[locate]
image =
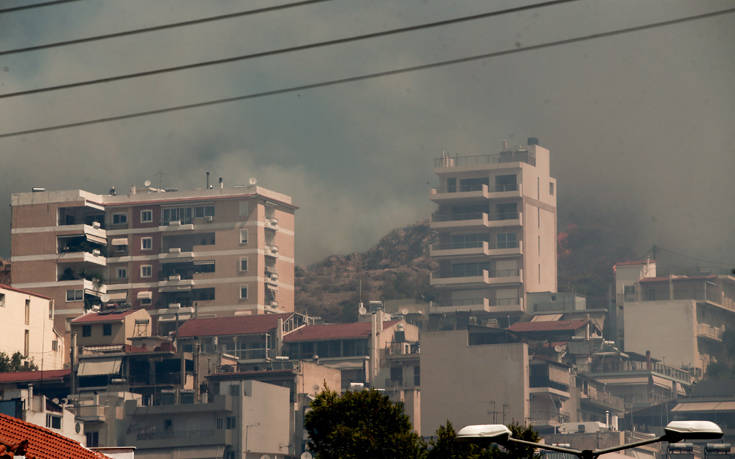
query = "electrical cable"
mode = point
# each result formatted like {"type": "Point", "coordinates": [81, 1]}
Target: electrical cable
{"type": "Point", "coordinates": [290, 49]}
{"type": "Point", "coordinates": [35, 5]}
{"type": "Point", "coordinates": [158, 27]}
{"type": "Point", "coordinates": [681, 254]}
{"type": "Point", "coordinates": [369, 76]}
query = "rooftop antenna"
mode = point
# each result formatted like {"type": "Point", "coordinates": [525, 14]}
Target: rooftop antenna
{"type": "Point", "coordinates": [207, 174]}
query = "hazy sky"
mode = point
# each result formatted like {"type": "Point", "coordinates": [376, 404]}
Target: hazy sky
{"type": "Point", "coordinates": [639, 126]}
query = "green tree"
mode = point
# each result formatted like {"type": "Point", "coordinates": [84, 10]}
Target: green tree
{"type": "Point", "coordinates": [360, 424]}
{"type": "Point", "coordinates": [16, 362]}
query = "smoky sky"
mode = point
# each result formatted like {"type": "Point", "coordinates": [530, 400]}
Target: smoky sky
{"type": "Point", "coordinates": [639, 126]}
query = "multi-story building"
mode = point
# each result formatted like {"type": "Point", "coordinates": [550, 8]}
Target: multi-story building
{"type": "Point", "coordinates": [218, 251]}
{"type": "Point", "coordinates": [496, 225]}
{"type": "Point", "coordinates": [27, 326]}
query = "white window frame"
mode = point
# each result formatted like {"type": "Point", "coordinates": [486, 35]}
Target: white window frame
{"type": "Point", "coordinates": [246, 292]}
{"type": "Point", "coordinates": [120, 214]}
{"type": "Point", "coordinates": [142, 269]}
{"type": "Point", "coordinates": [124, 271]}
{"type": "Point", "coordinates": [142, 243]}
{"type": "Point", "coordinates": [239, 266]}
{"type": "Point", "coordinates": [146, 212]}
{"type": "Point", "coordinates": [243, 241]}
{"type": "Point", "coordinates": [74, 296]}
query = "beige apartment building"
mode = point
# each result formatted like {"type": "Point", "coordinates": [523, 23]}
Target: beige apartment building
{"type": "Point", "coordinates": [211, 252]}
{"type": "Point", "coordinates": [496, 223]}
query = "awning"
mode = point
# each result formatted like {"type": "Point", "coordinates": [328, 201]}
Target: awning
{"type": "Point", "coordinates": [203, 262]}
{"type": "Point", "coordinates": [99, 367]}
{"type": "Point", "coordinates": [119, 241]}
{"type": "Point", "coordinates": [96, 239]}
{"type": "Point", "coordinates": [145, 295]}
{"type": "Point", "coordinates": [112, 296]}
{"type": "Point", "coordinates": [546, 317]}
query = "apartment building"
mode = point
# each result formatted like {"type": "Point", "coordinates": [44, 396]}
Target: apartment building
{"type": "Point", "coordinates": [216, 251]}
{"type": "Point", "coordinates": [27, 326]}
{"type": "Point", "coordinates": [679, 319]}
{"type": "Point", "coordinates": [496, 225]}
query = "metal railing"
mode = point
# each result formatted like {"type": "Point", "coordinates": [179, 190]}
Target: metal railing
{"type": "Point", "coordinates": [458, 216]}
{"type": "Point", "coordinates": [499, 187]}
{"type": "Point", "coordinates": [504, 216]}
{"type": "Point", "coordinates": [479, 160]}
{"type": "Point", "coordinates": [458, 245]}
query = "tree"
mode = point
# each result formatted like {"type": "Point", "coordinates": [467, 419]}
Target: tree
{"type": "Point", "coordinates": [16, 362]}
{"type": "Point", "coordinates": [360, 424]}
{"type": "Point", "coordinates": [446, 446]}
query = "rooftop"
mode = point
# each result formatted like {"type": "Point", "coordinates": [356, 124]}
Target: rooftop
{"type": "Point", "coordinates": [355, 330]}
{"type": "Point", "coordinates": [32, 441]}
{"type": "Point", "coordinates": [26, 292]}
{"type": "Point", "coordinates": [548, 325]}
{"type": "Point", "coordinates": [236, 325]}
{"type": "Point", "coordinates": [33, 376]}
{"type": "Point", "coordinates": [102, 316]}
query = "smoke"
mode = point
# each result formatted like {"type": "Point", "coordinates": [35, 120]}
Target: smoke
{"type": "Point", "coordinates": [638, 125]}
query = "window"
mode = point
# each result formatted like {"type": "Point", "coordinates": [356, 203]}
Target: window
{"type": "Point", "coordinates": [244, 264]}
{"type": "Point", "coordinates": [539, 246]}
{"type": "Point", "coordinates": [538, 217]}
{"type": "Point", "coordinates": [146, 216]}
{"type": "Point", "coordinates": [234, 390]}
{"type": "Point", "coordinates": [146, 243]}
{"type": "Point", "coordinates": [396, 375]}
{"type": "Point", "coordinates": [50, 310]}
{"type": "Point", "coordinates": [86, 330]}
{"type": "Point", "coordinates": [231, 422]}
{"type": "Point", "coordinates": [74, 295]}
{"type": "Point", "coordinates": [416, 376]}
{"type": "Point", "coordinates": [506, 240]}
{"type": "Point", "coordinates": [53, 422]}
{"type": "Point", "coordinates": [2, 299]}
{"type": "Point", "coordinates": [122, 273]}
{"type": "Point", "coordinates": [146, 270]}
{"type": "Point", "coordinates": [506, 183]}
{"type": "Point", "coordinates": [551, 188]}
{"type": "Point", "coordinates": [243, 293]}
{"type": "Point", "coordinates": [93, 439]}
{"type": "Point", "coordinates": [26, 343]}
{"type": "Point", "coordinates": [146, 301]}
{"type": "Point", "coordinates": [107, 329]}
{"type": "Point", "coordinates": [55, 345]}
{"type": "Point", "coordinates": [451, 185]}
{"type": "Point", "coordinates": [539, 273]}
{"type": "Point", "coordinates": [28, 312]}
{"type": "Point", "coordinates": [243, 236]}
{"type": "Point", "coordinates": [243, 208]}
{"type": "Point", "coordinates": [119, 219]}
{"type": "Point", "coordinates": [629, 292]}
{"type": "Point", "coordinates": [220, 423]}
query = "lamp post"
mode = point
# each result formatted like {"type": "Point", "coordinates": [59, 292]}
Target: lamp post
{"type": "Point", "coordinates": [675, 431]}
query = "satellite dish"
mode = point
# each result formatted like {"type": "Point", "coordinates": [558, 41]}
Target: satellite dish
{"type": "Point", "coordinates": [361, 310]}
{"type": "Point", "coordinates": [147, 183]}
{"type": "Point", "coordinates": [253, 180]}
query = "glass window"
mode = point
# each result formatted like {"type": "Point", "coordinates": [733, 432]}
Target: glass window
{"type": "Point", "coordinates": [243, 236]}
{"type": "Point", "coordinates": [28, 312]}
{"type": "Point", "coordinates": [93, 439]}
{"type": "Point", "coordinates": [199, 212]}
{"type": "Point", "coordinates": [506, 183]}
{"type": "Point", "coordinates": [146, 270]}
{"type": "Point", "coordinates": [86, 330]}
{"type": "Point", "coordinates": [2, 299]}
{"type": "Point", "coordinates": [122, 273]}
{"type": "Point", "coordinates": [107, 329]}
{"type": "Point", "coordinates": [119, 219]}
{"type": "Point", "coordinates": [551, 188]}
{"type": "Point", "coordinates": [209, 211]}
{"type": "Point", "coordinates": [451, 185]}
{"type": "Point", "coordinates": [243, 293]}
{"type": "Point", "coordinates": [243, 264]}
{"type": "Point", "coordinates": [146, 243]}
{"type": "Point", "coordinates": [146, 216]}
{"type": "Point", "coordinates": [74, 295]}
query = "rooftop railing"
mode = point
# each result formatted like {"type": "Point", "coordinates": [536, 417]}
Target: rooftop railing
{"type": "Point", "coordinates": [480, 160]}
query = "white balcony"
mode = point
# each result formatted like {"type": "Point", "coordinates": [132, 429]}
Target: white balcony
{"type": "Point", "coordinates": [473, 249]}
{"type": "Point", "coordinates": [502, 220]}
{"type": "Point", "coordinates": [466, 305]}
{"type": "Point", "coordinates": [506, 191]}
{"type": "Point", "coordinates": [514, 276]}
{"type": "Point", "coordinates": [175, 255]}
{"type": "Point", "coordinates": [271, 223]}
{"type": "Point", "coordinates": [94, 258]}
{"type": "Point", "coordinates": [271, 250]}
{"type": "Point", "coordinates": [460, 221]}
{"type": "Point", "coordinates": [709, 332]}
{"type": "Point", "coordinates": [473, 195]}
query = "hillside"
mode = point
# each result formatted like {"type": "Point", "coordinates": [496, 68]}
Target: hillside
{"type": "Point", "coordinates": [399, 266]}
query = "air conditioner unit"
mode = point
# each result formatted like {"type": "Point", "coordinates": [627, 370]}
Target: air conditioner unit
{"type": "Point", "coordinates": [174, 223]}
{"type": "Point", "coordinates": [274, 277]}
{"type": "Point", "coordinates": [174, 305]}
{"type": "Point", "coordinates": [174, 250]}
{"type": "Point", "coordinates": [96, 225]}
{"type": "Point", "coordinates": [208, 219]}
{"type": "Point", "coordinates": [175, 277]}
{"type": "Point", "coordinates": [96, 252]}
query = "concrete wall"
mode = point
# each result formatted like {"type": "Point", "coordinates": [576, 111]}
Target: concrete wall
{"type": "Point", "coordinates": [463, 383]}
{"type": "Point", "coordinates": [265, 420]}
{"type": "Point", "coordinates": [667, 328]}
{"type": "Point", "coordinates": [41, 334]}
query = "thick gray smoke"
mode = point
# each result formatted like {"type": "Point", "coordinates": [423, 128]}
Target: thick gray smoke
{"type": "Point", "coordinates": [638, 125]}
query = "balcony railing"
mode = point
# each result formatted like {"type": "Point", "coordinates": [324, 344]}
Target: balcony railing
{"type": "Point", "coordinates": [458, 216]}
{"type": "Point", "coordinates": [504, 216]}
{"type": "Point", "coordinates": [506, 187]}
{"type": "Point", "coordinates": [459, 245]}
{"type": "Point", "coordinates": [480, 160]}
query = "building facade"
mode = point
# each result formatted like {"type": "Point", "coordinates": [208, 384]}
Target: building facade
{"type": "Point", "coordinates": [496, 225]}
{"type": "Point", "coordinates": [218, 251]}
{"type": "Point", "coordinates": [27, 326]}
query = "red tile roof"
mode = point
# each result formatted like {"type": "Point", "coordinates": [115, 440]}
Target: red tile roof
{"type": "Point", "coordinates": [548, 325]}
{"type": "Point", "coordinates": [100, 317]}
{"type": "Point", "coordinates": [328, 332]}
{"type": "Point", "coordinates": [20, 437]}
{"type": "Point", "coordinates": [27, 292]}
{"type": "Point", "coordinates": [235, 325]}
{"type": "Point", "coordinates": [33, 376]}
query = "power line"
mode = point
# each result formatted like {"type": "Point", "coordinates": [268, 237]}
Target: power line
{"type": "Point", "coordinates": [158, 27]}
{"type": "Point", "coordinates": [284, 50]}
{"type": "Point", "coordinates": [368, 76]}
{"type": "Point", "coordinates": [681, 254]}
{"type": "Point", "coordinates": [35, 5]}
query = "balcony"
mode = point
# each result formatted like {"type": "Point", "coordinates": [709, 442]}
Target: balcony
{"type": "Point", "coordinates": [91, 413]}
{"type": "Point", "coordinates": [709, 332]}
{"type": "Point", "coordinates": [271, 223]}
{"type": "Point", "coordinates": [506, 191]}
{"type": "Point", "coordinates": [508, 276]}
{"type": "Point", "coordinates": [271, 250]}
{"type": "Point", "coordinates": [470, 194]}
{"type": "Point", "coordinates": [93, 257]}
{"type": "Point", "coordinates": [475, 248]}
{"type": "Point", "coordinates": [460, 220]}
{"type": "Point", "coordinates": [506, 219]}
{"type": "Point", "coordinates": [480, 304]}
{"type": "Point", "coordinates": [602, 399]}
{"type": "Point", "coordinates": [175, 254]}
{"type": "Point", "coordinates": [475, 162]}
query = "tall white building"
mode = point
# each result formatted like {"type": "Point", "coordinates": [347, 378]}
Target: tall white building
{"type": "Point", "coordinates": [496, 225]}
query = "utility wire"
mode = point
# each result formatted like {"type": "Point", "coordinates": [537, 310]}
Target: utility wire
{"type": "Point", "coordinates": [681, 254]}
{"type": "Point", "coordinates": [290, 49]}
{"type": "Point", "coordinates": [34, 5]}
{"type": "Point", "coordinates": [368, 76]}
{"type": "Point", "coordinates": [158, 27]}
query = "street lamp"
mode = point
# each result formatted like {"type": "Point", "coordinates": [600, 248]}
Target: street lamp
{"type": "Point", "coordinates": [675, 431]}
